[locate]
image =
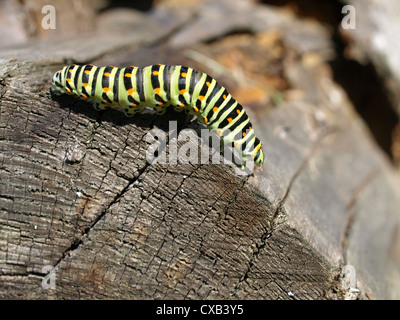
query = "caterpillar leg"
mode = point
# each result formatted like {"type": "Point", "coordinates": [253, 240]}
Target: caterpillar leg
{"type": "Point", "coordinates": [161, 109]}
{"type": "Point", "coordinates": [161, 112]}
{"type": "Point", "coordinates": [100, 106]}
{"type": "Point", "coordinates": [222, 148]}
{"type": "Point", "coordinates": [129, 112]}
{"type": "Point", "coordinates": [180, 108]}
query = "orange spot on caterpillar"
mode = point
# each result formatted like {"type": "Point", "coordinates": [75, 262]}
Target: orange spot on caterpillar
{"type": "Point", "coordinates": [106, 89]}
{"type": "Point", "coordinates": [229, 120]}
{"type": "Point", "coordinates": [84, 95]}
{"type": "Point", "coordinates": [215, 109]}
{"type": "Point", "coordinates": [156, 73]}
{"type": "Point", "coordinates": [238, 111]}
{"type": "Point", "coordinates": [130, 91]}
{"type": "Point", "coordinates": [106, 102]}
{"type": "Point", "coordinates": [184, 74]}
{"type": "Point", "coordinates": [128, 75]}
{"type": "Point", "coordinates": [196, 109]}
{"type": "Point", "coordinates": [87, 71]}
{"type": "Point", "coordinates": [68, 90]}
{"type": "Point", "coordinates": [85, 84]}
{"type": "Point", "coordinates": [69, 79]}
{"type": "Point", "coordinates": [205, 120]}
{"type": "Point", "coordinates": [133, 67]}
{"type": "Point", "coordinates": [208, 83]}
{"type": "Point", "coordinates": [249, 128]}
{"type": "Point", "coordinates": [224, 96]}
{"type": "Point", "coordinates": [201, 98]}
{"type": "Point", "coordinates": [244, 134]}
{"type": "Point", "coordinates": [236, 144]}
{"type": "Point", "coordinates": [219, 132]}
{"type": "Point", "coordinates": [182, 91]}
{"type": "Point", "coordinates": [253, 155]}
{"type": "Point", "coordinates": [157, 90]}
{"type": "Point", "coordinates": [160, 103]}
{"type": "Point", "coordinates": [107, 74]}
{"type": "Point", "coordinates": [258, 147]}
{"type": "Point", "coordinates": [182, 105]}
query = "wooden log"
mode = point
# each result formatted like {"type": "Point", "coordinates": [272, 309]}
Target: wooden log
{"type": "Point", "coordinates": [77, 195]}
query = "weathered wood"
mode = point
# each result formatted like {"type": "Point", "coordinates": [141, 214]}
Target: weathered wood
{"type": "Point", "coordinates": [375, 38]}
{"type": "Point", "coordinates": [77, 194]}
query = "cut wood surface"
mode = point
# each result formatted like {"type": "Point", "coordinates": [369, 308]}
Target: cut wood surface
{"type": "Point", "coordinates": [77, 194]}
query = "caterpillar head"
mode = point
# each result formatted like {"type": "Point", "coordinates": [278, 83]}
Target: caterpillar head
{"type": "Point", "coordinates": [259, 158]}
{"type": "Point", "coordinates": [56, 85]}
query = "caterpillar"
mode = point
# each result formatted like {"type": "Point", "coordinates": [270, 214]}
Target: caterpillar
{"type": "Point", "coordinates": [159, 86]}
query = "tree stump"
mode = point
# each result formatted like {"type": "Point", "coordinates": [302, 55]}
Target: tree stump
{"type": "Point", "coordinates": [84, 215]}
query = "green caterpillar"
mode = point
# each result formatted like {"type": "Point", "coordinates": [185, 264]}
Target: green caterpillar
{"type": "Point", "coordinates": [159, 86]}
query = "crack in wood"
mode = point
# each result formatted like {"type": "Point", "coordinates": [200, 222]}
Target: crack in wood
{"type": "Point", "coordinates": [75, 245]}
{"type": "Point", "coordinates": [364, 183]}
{"type": "Point", "coordinates": [233, 199]}
{"type": "Point", "coordinates": [279, 209]}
